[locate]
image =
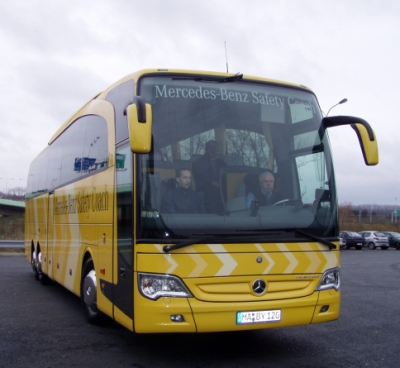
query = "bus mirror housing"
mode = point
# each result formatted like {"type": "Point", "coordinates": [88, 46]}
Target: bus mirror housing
{"type": "Point", "coordinates": [140, 121]}
{"type": "Point", "coordinates": [365, 134]}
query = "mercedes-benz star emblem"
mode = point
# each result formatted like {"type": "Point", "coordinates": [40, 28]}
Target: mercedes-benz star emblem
{"type": "Point", "coordinates": [259, 287]}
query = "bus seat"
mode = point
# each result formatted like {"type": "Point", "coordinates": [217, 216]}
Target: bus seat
{"type": "Point", "coordinates": [240, 190]}
{"type": "Point", "coordinates": [193, 158]}
{"type": "Point", "coordinates": [252, 183]}
{"type": "Point", "coordinates": [232, 179]}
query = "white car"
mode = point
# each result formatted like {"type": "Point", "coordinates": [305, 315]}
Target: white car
{"type": "Point", "coordinates": [375, 239]}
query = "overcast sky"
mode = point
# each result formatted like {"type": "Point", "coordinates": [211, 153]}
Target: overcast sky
{"type": "Point", "coordinates": [56, 55]}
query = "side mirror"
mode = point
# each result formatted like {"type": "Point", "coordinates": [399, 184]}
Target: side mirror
{"type": "Point", "coordinates": [140, 122]}
{"type": "Point", "coordinates": [366, 135]}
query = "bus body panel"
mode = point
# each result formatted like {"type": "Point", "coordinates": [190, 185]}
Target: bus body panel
{"type": "Point", "coordinates": [155, 316]}
{"type": "Point", "coordinates": [332, 299]}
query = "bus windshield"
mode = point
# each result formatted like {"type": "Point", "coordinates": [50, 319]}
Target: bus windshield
{"type": "Point", "coordinates": [233, 157]}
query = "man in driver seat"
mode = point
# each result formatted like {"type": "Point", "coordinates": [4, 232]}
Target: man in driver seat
{"type": "Point", "coordinates": [265, 194]}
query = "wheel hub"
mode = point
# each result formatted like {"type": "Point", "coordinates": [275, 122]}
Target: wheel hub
{"type": "Point", "coordinates": [89, 289]}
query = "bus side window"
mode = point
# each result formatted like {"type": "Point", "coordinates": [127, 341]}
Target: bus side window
{"type": "Point", "coordinates": [120, 97]}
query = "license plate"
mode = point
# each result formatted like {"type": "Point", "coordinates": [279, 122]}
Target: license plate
{"type": "Point", "coordinates": [258, 317]}
{"type": "Point", "coordinates": [359, 243]}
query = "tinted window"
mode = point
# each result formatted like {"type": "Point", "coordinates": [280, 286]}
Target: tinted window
{"type": "Point", "coordinates": [54, 166]}
{"type": "Point", "coordinates": [37, 175]}
{"type": "Point", "coordinates": [71, 144]}
{"type": "Point", "coordinates": [95, 145]}
{"type": "Point", "coordinates": [120, 97]}
{"type": "Point", "coordinates": [79, 151]}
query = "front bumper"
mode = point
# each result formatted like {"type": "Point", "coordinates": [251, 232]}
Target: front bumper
{"type": "Point", "coordinates": [155, 316]}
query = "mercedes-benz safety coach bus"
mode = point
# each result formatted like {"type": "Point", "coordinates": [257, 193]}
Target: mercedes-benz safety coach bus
{"type": "Point", "coordinates": [94, 212]}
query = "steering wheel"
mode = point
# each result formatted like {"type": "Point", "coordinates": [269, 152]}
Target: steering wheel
{"type": "Point", "coordinates": [289, 202]}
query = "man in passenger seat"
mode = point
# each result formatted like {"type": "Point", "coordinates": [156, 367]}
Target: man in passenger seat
{"type": "Point", "coordinates": [180, 198]}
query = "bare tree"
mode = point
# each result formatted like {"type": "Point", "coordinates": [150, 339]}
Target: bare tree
{"type": "Point", "coordinates": [345, 214]}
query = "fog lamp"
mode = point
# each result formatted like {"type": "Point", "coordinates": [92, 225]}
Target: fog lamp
{"type": "Point", "coordinates": [177, 318]}
{"type": "Point", "coordinates": [324, 308]}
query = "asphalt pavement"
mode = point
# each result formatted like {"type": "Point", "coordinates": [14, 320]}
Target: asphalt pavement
{"type": "Point", "coordinates": [43, 326]}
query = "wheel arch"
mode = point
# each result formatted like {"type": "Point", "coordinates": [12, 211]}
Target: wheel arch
{"type": "Point", "coordinates": [33, 248]}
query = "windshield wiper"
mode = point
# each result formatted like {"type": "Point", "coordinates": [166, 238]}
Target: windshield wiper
{"type": "Point", "coordinates": [317, 238]}
{"type": "Point", "coordinates": [214, 238]}
{"type": "Point", "coordinates": [168, 248]}
{"type": "Point", "coordinates": [298, 231]}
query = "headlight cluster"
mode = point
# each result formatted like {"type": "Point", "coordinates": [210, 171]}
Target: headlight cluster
{"type": "Point", "coordinates": [155, 286]}
{"type": "Point", "coordinates": [330, 280]}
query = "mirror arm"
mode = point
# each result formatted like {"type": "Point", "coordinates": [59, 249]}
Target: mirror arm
{"type": "Point", "coordinates": [140, 106]}
{"type": "Point", "coordinates": [333, 121]}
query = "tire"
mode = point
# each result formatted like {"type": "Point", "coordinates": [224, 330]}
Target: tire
{"type": "Point", "coordinates": [40, 276]}
{"type": "Point", "coordinates": [44, 279]}
{"type": "Point", "coordinates": [345, 247]}
{"type": "Point", "coordinates": [397, 246]}
{"type": "Point", "coordinates": [89, 294]}
{"type": "Point", "coordinates": [371, 246]}
{"type": "Point", "coordinates": [34, 266]}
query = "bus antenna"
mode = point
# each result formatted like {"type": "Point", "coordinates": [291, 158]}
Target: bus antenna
{"type": "Point", "coordinates": [226, 58]}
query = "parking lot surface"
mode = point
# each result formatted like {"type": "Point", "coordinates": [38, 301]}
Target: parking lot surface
{"type": "Point", "coordinates": [43, 326]}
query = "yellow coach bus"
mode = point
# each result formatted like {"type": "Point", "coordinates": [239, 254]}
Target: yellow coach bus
{"type": "Point", "coordinates": [150, 204]}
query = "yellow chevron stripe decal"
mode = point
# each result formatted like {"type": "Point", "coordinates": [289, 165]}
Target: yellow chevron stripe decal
{"type": "Point", "coordinates": [229, 263]}
{"type": "Point", "coordinates": [209, 260]}
{"type": "Point", "coordinates": [293, 262]}
{"type": "Point", "coordinates": [270, 261]}
{"type": "Point", "coordinates": [201, 265]}
{"type": "Point", "coordinates": [168, 258]}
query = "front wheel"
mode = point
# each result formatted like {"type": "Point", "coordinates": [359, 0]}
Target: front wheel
{"type": "Point", "coordinates": [89, 293]}
{"type": "Point", "coordinates": [397, 246]}
{"type": "Point", "coordinates": [371, 246]}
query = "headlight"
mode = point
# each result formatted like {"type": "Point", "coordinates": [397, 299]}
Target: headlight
{"type": "Point", "coordinates": [155, 286]}
{"type": "Point", "coordinates": [330, 280]}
